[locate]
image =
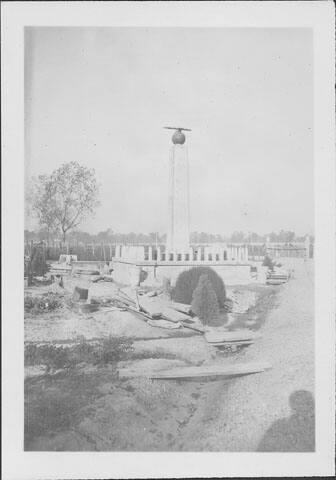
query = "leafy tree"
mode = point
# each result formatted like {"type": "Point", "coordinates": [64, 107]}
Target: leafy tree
{"type": "Point", "coordinates": [283, 236]}
{"type": "Point", "coordinates": [238, 237]}
{"type": "Point", "coordinates": [256, 238]}
{"type": "Point", "coordinates": [204, 301]}
{"type": "Point", "coordinates": [65, 198]}
{"type": "Point", "coordinates": [42, 204]}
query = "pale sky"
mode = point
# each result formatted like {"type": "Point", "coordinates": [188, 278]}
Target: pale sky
{"type": "Point", "coordinates": [102, 95]}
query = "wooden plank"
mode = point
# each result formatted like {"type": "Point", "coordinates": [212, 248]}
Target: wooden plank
{"type": "Point", "coordinates": [169, 313]}
{"type": "Point", "coordinates": [163, 324]}
{"type": "Point", "coordinates": [181, 307]}
{"type": "Point", "coordinates": [193, 327]}
{"type": "Point", "coordinates": [129, 293]}
{"type": "Point", "coordinates": [124, 300]}
{"type": "Point", "coordinates": [275, 282]}
{"type": "Point", "coordinates": [217, 337]}
{"type": "Point", "coordinates": [201, 372]}
{"type": "Point", "coordinates": [137, 304]}
{"type": "Point", "coordinates": [150, 307]}
{"type": "Point", "coordinates": [237, 343]}
{"type": "Point", "coordinates": [142, 315]}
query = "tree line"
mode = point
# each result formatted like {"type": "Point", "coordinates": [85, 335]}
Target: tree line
{"type": "Point", "coordinates": [109, 236]}
{"type": "Point", "coordinates": [62, 200]}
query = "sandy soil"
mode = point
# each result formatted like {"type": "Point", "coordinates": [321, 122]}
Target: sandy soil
{"type": "Point", "coordinates": [272, 411]}
{"type": "Point", "coordinates": [91, 409]}
{"type": "Point", "coordinates": [68, 326]}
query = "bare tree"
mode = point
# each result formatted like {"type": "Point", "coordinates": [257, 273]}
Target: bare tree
{"type": "Point", "coordinates": [65, 198]}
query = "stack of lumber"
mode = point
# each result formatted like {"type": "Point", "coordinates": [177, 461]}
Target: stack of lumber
{"type": "Point", "coordinates": [63, 266]}
{"type": "Point", "coordinates": [157, 311]}
{"type": "Point", "coordinates": [277, 277]}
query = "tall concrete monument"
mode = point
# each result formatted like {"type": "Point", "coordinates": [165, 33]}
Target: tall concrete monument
{"type": "Point", "coordinates": [178, 235]}
{"type": "Point", "coordinates": [160, 262]}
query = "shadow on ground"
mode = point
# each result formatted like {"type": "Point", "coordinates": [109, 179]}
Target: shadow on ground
{"type": "Point", "coordinates": [295, 433]}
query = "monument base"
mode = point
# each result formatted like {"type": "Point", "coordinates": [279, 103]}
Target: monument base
{"type": "Point", "coordinates": [154, 273]}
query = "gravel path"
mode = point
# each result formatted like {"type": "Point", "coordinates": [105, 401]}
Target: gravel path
{"type": "Point", "coordinates": [274, 410]}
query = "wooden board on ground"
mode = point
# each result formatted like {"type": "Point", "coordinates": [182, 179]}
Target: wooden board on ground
{"type": "Point", "coordinates": [164, 324]}
{"type": "Point", "coordinates": [222, 336]}
{"type": "Point", "coordinates": [151, 307]}
{"type": "Point", "coordinates": [195, 328]}
{"type": "Point", "coordinates": [233, 344]}
{"type": "Point", "coordinates": [201, 372]}
{"type": "Point", "coordinates": [129, 293]}
{"type": "Point", "coordinates": [124, 300]}
{"type": "Point", "coordinates": [141, 315]}
{"type": "Point", "coordinates": [181, 307]}
{"type": "Point", "coordinates": [275, 281]}
{"type": "Point", "coordinates": [173, 315]}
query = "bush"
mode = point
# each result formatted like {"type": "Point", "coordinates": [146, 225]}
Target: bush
{"type": "Point", "coordinates": [188, 280]}
{"type": "Point", "coordinates": [204, 302]}
{"type": "Point", "coordinates": [38, 261]}
{"type": "Point", "coordinates": [38, 304]}
{"type": "Point", "coordinates": [268, 262]}
{"type": "Point", "coordinates": [111, 350]}
{"type": "Point", "coordinates": [106, 351]}
{"type": "Point", "coordinates": [51, 356]}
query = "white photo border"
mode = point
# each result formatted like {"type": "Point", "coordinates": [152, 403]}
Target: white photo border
{"type": "Point", "coordinates": [18, 464]}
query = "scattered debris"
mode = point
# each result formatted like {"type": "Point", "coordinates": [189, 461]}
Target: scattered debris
{"type": "Point", "coordinates": [63, 266]}
{"type": "Point", "coordinates": [103, 278]}
{"type": "Point", "coordinates": [56, 289]}
{"type": "Point", "coordinates": [80, 294]}
{"type": "Point", "coordinates": [85, 307]}
{"type": "Point", "coordinates": [152, 293]}
{"type": "Point", "coordinates": [169, 313]}
{"type": "Point", "coordinates": [228, 305]}
{"type": "Point", "coordinates": [240, 301]}
{"type": "Point", "coordinates": [86, 270]}
{"type": "Point", "coordinates": [277, 276]}
{"type": "Point", "coordinates": [150, 307]}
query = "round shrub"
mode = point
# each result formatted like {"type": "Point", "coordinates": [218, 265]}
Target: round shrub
{"type": "Point", "coordinates": [188, 280]}
{"type": "Point", "coordinates": [268, 262]}
{"type": "Point", "coordinates": [204, 302]}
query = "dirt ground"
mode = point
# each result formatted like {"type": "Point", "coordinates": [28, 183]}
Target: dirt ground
{"type": "Point", "coordinates": [90, 409]}
{"type": "Point", "coordinates": [272, 411]}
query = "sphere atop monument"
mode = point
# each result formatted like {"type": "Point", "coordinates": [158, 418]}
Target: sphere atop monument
{"type": "Point", "coordinates": [178, 138]}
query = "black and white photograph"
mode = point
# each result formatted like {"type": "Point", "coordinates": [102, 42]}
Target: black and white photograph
{"type": "Point", "coordinates": [171, 235]}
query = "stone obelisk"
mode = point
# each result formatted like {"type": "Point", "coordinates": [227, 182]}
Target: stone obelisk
{"type": "Point", "coordinates": [178, 237]}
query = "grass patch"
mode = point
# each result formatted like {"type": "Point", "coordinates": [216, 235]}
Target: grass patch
{"type": "Point", "coordinates": [105, 351]}
{"type": "Point", "coordinates": [159, 353]}
{"type": "Point", "coordinates": [41, 304]}
{"type": "Point", "coordinates": [54, 404]}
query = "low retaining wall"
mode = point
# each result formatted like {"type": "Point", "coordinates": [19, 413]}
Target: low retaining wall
{"type": "Point", "coordinates": [129, 273]}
